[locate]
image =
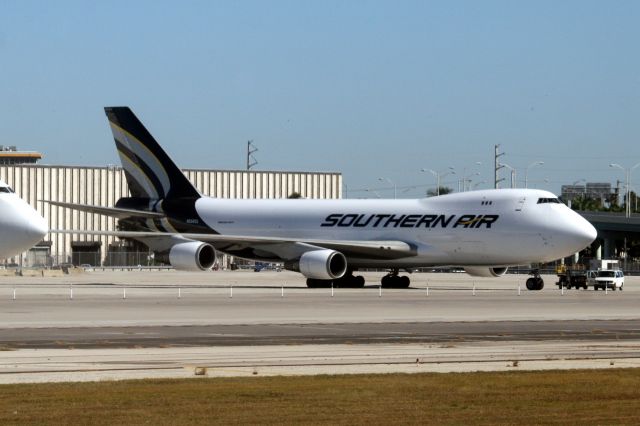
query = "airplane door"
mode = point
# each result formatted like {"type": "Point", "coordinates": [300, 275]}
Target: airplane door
{"type": "Point", "coordinates": [520, 204]}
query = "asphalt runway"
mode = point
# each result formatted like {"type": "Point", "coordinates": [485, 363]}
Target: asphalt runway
{"type": "Point", "coordinates": [327, 334]}
{"type": "Point", "coordinates": [166, 316]}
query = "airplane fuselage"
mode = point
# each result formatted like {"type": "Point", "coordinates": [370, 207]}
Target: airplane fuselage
{"type": "Point", "coordinates": [489, 227]}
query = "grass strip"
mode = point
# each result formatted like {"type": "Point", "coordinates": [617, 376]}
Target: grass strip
{"type": "Point", "coordinates": [578, 397]}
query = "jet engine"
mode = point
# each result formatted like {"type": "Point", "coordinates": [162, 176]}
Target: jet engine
{"type": "Point", "coordinates": [480, 271]}
{"type": "Point", "coordinates": [320, 264]}
{"type": "Point", "coordinates": [192, 256]}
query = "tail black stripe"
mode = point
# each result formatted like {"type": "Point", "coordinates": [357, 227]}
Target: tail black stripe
{"type": "Point", "coordinates": [144, 177]}
{"type": "Point", "coordinates": [150, 171]}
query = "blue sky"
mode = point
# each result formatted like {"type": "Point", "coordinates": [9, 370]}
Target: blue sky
{"type": "Point", "coordinates": [367, 88]}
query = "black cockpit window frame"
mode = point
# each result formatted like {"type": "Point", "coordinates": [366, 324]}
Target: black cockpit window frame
{"type": "Point", "coordinates": [548, 201]}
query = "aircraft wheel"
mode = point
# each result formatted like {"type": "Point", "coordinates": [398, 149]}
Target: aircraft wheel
{"type": "Point", "coordinates": [404, 282]}
{"type": "Point", "coordinates": [386, 281]}
{"type": "Point", "coordinates": [350, 282]}
{"type": "Point", "coordinates": [531, 284]}
{"type": "Point", "coordinates": [315, 283]}
{"type": "Point", "coordinates": [539, 283]}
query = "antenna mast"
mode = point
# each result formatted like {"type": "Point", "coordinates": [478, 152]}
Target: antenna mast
{"type": "Point", "coordinates": [497, 166]}
{"type": "Point", "coordinates": [251, 160]}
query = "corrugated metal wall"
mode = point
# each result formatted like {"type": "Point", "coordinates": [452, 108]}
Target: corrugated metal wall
{"type": "Point", "coordinates": [105, 185]}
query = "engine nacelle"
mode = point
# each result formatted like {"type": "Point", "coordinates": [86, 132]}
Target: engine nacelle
{"type": "Point", "coordinates": [192, 256]}
{"type": "Point", "coordinates": [320, 264]}
{"type": "Point", "coordinates": [483, 271]}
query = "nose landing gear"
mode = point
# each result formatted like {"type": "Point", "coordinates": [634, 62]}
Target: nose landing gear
{"type": "Point", "coordinates": [536, 282]}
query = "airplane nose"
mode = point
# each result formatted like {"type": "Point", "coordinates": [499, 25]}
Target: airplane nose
{"type": "Point", "coordinates": [35, 229]}
{"type": "Point", "coordinates": [581, 231]}
{"type": "Point", "coordinates": [22, 226]}
{"type": "Point", "coordinates": [590, 232]}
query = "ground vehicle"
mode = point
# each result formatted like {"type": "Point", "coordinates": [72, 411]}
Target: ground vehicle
{"type": "Point", "coordinates": [609, 278]}
{"type": "Point", "coordinates": [572, 276]}
{"type": "Point", "coordinates": [575, 276]}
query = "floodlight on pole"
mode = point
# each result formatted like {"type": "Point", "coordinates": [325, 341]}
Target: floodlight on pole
{"type": "Point", "coordinates": [513, 174]}
{"type": "Point", "coordinates": [464, 174]}
{"type": "Point", "coordinates": [627, 185]}
{"type": "Point", "coordinates": [526, 172]}
{"type": "Point", "coordinates": [395, 187]}
{"type": "Point", "coordinates": [439, 176]}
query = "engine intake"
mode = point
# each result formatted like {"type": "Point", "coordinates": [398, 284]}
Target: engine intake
{"type": "Point", "coordinates": [192, 256]}
{"type": "Point", "coordinates": [320, 264]}
{"type": "Point", "coordinates": [479, 271]}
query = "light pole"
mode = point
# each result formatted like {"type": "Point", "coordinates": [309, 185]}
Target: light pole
{"type": "Point", "coordinates": [526, 172]}
{"type": "Point", "coordinates": [395, 187]}
{"type": "Point", "coordinates": [439, 176]}
{"type": "Point", "coordinates": [628, 178]}
{"type": "Point", "coordinates": [513, 174]}
{"type": "Point", "coordinates": [466, 182]}
{"type": "Point", "coordinates": [464, 174]}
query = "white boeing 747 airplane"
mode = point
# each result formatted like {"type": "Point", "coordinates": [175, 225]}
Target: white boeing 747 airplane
{"type": "Point", "coordinates": [21, 227]}
{"type": "Point", "coordinates": [484, 232]}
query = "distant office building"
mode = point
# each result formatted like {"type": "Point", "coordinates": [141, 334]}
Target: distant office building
{"type": "Point", "coordinates": [11, 155]}
{"type": "Point", "coordinates": [105, 185]}
{"type": "Point", "coordinates": [599, 191]}
{"type": "Point", "coordinates": [571, 192]}
{"type": "Point", "coordinates": [594, 190]}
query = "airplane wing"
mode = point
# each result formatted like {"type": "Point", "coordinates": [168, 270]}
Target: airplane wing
{"type": "Point", "coordinates": [116, 212]}
{"type": "Point", "coordinates": [357, 249]}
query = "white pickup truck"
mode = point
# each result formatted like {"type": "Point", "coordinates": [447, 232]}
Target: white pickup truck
{"type": "Point", "coordinates": [608, 278]}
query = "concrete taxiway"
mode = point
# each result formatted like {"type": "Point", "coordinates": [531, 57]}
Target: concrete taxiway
{"type": "Point", "coordinates": [113, 325]}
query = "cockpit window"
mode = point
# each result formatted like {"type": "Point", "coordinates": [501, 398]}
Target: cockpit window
{"type": "Point", "coordinates": [6, 189]}
{"type": "Point", "coordinates": [548, 201]}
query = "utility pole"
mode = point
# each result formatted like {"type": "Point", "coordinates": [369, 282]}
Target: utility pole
{"type": "Point", "coordinates": [497, 166]}
{"type": "Point", "coordinates": [251, 161]}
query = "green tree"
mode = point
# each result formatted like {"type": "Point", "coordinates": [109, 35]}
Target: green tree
{"type": "Point", "coordinates": [443, 190]}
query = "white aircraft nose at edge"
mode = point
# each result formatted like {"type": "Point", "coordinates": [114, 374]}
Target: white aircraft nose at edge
{"type": "Point", "coordinates": [327, 240]}
{"type": "Point", "coordinates": [21, 226]}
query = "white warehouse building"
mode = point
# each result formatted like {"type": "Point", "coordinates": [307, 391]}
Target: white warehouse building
{"type": "Point", "coordinates": [103, 186]}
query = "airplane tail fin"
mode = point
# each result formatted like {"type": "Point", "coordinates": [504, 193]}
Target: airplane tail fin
{"type": "Point", "coordinates": [149, 171]}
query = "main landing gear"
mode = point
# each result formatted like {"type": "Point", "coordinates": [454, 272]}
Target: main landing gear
{"type": "Point", "coordinates": [393, 280]}
{"type": "Point", "coordinates": [536, 282]}
{"type": "Point", "coordinates": [348, 280]}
